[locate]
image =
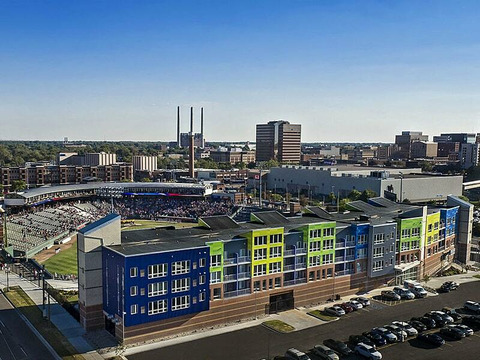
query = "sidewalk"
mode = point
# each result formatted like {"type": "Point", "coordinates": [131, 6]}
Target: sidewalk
{"type": "Point", "coordinates": [64, 322]}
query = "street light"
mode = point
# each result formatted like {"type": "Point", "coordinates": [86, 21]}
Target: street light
{"type": "Point", "coordinates": [7, 271]}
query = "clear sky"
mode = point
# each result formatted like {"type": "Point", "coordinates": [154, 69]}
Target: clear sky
{"type": "Point", "coordinates": [345, 70]}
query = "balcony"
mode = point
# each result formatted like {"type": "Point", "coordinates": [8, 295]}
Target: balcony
{"type": "Point", "coordinates": [339, 258]}
{"type": "Point", "coordinates": [302, 265]}
{"type": "Point", "coordinates": [339, 244]}
{"type": "Point", "coordinates": [288, 253]}
{"type": "Point", "coordinates": [350, 243]}
{"type": "Point", "coordinates": [288, 268]}
{"type": "Point", "coordinates": [229, 261]}
{"type": "Point", "coordinates": [344, 272]}
{"type": "Point", "coordinates": [243, 276]}
{"type": "Point", "coordinates": [301, 251]}
{"type": "Point", "coordinates": [230, 294]}
{"type": "Point", "coordinates": [295, 282]}
{"type": "Point", "coordinates": [350, 257]}
{"type": "Point", "coordinates": [244, 259]}
{"type": "Point", "coordinates": [231, 277]}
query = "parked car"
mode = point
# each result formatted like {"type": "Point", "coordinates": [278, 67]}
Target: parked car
{"type": "Point", "coordinates": [472, 306]}
{"type": "Point", "coordinates": [347, 308]}
{"type": "Point", "coordinates": [355, 304]}
{"type": "Point", "coordinates": [439, 320]}
{"type": "Point", "coordinates": [367, 351]}
{"type": "Point", "coordinates": [453, 313]}
{"type": "Point", "coordinates": [338, 346]}
{"type": "Point", "coordinates": [415, 288]}
{"type": "Point", "coordinates": [472, 320]}
{"type": "Point", "coordinates": [452, 332]}
{"type": "Point", "coordinates": [356, 339]}
{"type": "Point", "coordinates": [447, 317]}
{"type": "Point", "coordinates": [324, 352]}
{"type": "Point", "coordinates": [335, 311]}
{"type": "Point", "coordinates": [387, 334]}
{"type": "Point", "coordinates": [294, 354]}
{"type": "Point", "coordinates": [362, 300]}
{"type": "Point", "coordinates": [448, 286]}
{"type": "Point", "coordinates": [418, 325]}
{"type": "Point", "coordinates": [377, 339]}
{"type": "Point", "coordinates": [395, 330]}
{"type": "Point", "coordinates": [409, 329]}
{"type": "Point", "coordinates": [404, 293]}
{"type": "Point", "coordinates": [467, 331]}
{"type": "Point", "coordinates": [390, 295]}
{"type": "Point", "coordinates": [433, 339]}
{"type": "Point", "coordinates": [427, 321]}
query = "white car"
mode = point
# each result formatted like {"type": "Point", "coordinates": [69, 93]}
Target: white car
{"type": "Point", "coordinates": [324, 352]}
{"type": "Point", "coordinates": [367, 351]}
{"type": "Point", "coordinates": [397, 331]}
{"type": "Point", "coordinates": [355, 304]}
{"type": "Point", "coordinates": [472, 306]}
{"type": "Point", "coordinates": [335, 311]}
{"type": "Point", "coordinates": [409, 329]}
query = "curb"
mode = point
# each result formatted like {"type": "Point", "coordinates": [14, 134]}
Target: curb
{"type": "Point", "coordinates": [35, 331]}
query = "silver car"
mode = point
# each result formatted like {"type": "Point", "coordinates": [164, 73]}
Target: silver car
{"type": "Point", "coordinates": [409, 329]}
{"type": "Point", "coordinates": [335, 311]}
{"type": "Point", "coordinates": [324, 352]}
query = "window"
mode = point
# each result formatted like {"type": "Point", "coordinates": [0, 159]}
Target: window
{"type": "Point", "coordinates": [133, 271]}
{"type": "Point", "coordinates": [362, 253]}
{"type": "Point", "coordinates": [156, 289]}
{"type": "Point", "coordinates": [377, 265]}
{"type": "Point", "coordinates": [202, 296]}
{"type": "Point", "coordinates": [328, 244]}
{"type": "Point", "coordinates": [362, 239]}
{"type": "Point", "coordinates": [314, 260]}
{"type": "Point", "coordinates": [405, 233]}
{"type": "Point", "coordinates": [275, 239]}
{"type": "Point", "coordinates": [142, 272]}
{"type": "Point", "coordinates": [133, 291]}
{"type": "Point", "coordinates": [202, 279]}
{"type": "Point", "coordinates": [133, 309]}
{"type": "Point", "coordinates": [157, 307]}
{"type": "Point", "coordinates": [275, 251]}
{"type": "Point", "coordinates": [180, 285]}
{"type": "Point", "coordinates": [215, 277]}
{"type": "Point", "coordinates": [435, 237]}
{"type": "Point", "coordinates": [416, 232]}
{"type": "Point", "coordinates": [259, 254]}
{"type": "Point", "coordinates": [404, 246]}
{"type": "Point", "coordinates": [379, 238]}
{"type": "Point", "coordinates": [275, 267]}
{"type": "Point", "coordinates": [259, 240]}
{"type": "Point", "coordinates": [216, 260]}
{"type": "Point", "coordinates": [430, 227]}
{"type": "Point", "coordinates": [378, 252]}
{"type": "Point", "coordinates": [181, 267]}
{"type": "Point", "coordinates": [158, 270]}
{"type": "Point", "coordinates": [315, 233]}
{"type": "Point", "coordinates": [327, 259]}
{"type": "Point", "coordinates": [202, 262]}
{"type": "Point", "coordinates": [142, 291]}
{"type": "Point", "coordinates": [328, 232]}
{"type": "Point", "coordinates": [259, 270]}
{"type": "Point", "coordinates": [414, 245]}
{"type": "Point", "coordinates": [181, 302]}
{"type": "Point", "coordinates": [142, 309]}
{"type": "Point", "coordinates": [315, 246]}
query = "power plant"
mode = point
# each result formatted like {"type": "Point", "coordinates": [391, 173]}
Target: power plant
{"type": "Point", "coordinates": [190, 139]}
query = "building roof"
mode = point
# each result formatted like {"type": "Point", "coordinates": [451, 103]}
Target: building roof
{"type": "Point", "coordinates": [99, 223]}
{"type": "Point", "coordinates": [270, 218]}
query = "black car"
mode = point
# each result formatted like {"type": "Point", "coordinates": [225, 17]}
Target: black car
{"type": "Point", "coordinates": [418, 325]}
{"type": "Point", "coordinates": [433, 339]}
{"type": "Point", "coordinates": [452, 332]}
{"type": "Point", "coordinates": [439, 320]}
{"type": "Point", "coordinates": [338, 346]}
{"type": "Point", "coordinates": [362, 300]}
{"type": "Point", "coordinates": [355, 339]}
{"type": "Point", "coordinates": [472, 321]}
{"type": "Point", "coordinates": [453, 313]}
{"type": "Point", "coordinates": [378, 339]}
{"type": "Point", "coordinates": [427, 321]}
{"type": "Point", "coordinates": [448, 286]}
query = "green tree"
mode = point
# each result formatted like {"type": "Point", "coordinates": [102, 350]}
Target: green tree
{"type": "Point", "coordinates": [146, 179]}
{"type": "Point", "coordinates": [18, 185]}
{"type": "Point", "coordinates": [354, 195]}
{"type": "Point", "coordinates": [367, 194]}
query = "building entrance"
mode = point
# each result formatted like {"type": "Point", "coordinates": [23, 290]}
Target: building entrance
{"type": "Point", "coordinates": [281, 302]}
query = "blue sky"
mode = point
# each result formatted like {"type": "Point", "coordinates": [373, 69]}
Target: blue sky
{"type": "Point", "coordinates": [345, 70]}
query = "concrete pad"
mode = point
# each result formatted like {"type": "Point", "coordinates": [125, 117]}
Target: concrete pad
{"type": "Point", "coordinates": [298, 319]}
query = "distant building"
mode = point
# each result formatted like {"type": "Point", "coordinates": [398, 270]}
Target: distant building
{"type": "Point", "coordinates": [198, 140]}
{"type": "Point", "coordinates": [464, 145]}
{"type": "Point", "coordinates": [144, 163]}
{"type": "Point", "coordinates": [232, 156]}
{"type": "Point", "coordinates": [278, 140]}
{"type": "Point", "coordinates": [424, 149]}
{"type": "Point", "coordinates": [91, 159]}
{"type": "Point", "coordinates": [405, 140]}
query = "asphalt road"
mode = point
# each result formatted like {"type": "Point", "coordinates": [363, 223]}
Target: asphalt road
{"type": "Point", "coordinates": [258, 342]}
{"type": "Point", "coordinates": [17, 341]}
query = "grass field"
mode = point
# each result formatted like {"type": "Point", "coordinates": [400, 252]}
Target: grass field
{"type": "Point", "coordinates": [54, 337]}
{"type": "Point", "coordinates": [279, 326]}
{"type": "Point", "coordinates": [150, 224]}
{"type": "Point", "coordinates": [65, 262]}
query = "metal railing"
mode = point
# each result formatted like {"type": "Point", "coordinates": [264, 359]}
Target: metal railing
{"type": "Point", "coordinates": [295, 282]}
{"type": "Point", "coordinates": [230, 277]}
{"type": "Point", "coordinates": [229, 261]}
{"type": "Point", "coordinates": [301, 265]}
{"type": "Point", "coordinates": [230, 294]}
{"type": "Point", "coordinates": [288, 253]}
{"type": "Point", "coordinates": [350, 257]}
{"type": "Point", "coordinates": [288, 267]}
{"type": "Point", "coordinates": [244, 259]}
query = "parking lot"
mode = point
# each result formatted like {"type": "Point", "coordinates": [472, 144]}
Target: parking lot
{"type": "Point", "coordinates": [258, 342]}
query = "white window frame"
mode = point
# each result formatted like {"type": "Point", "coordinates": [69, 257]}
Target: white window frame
{"type": "Point", "coordinates": [215, 277]}
{"type": "Point", "coordinates": [328, 232]}
{"type": "Point", "coordinates": [181, 267]}
{"type": "Point", "coordinates": [379, 238]}
{"type": "Point", "coordinates": [133, 272]}
{"type": "Point", "coordinates": [377, 265]}
{"type": "Point", "coordinates": [415, 232]}
{"type": "Point", "coordinates": [260, 254]}
{"type": "Point", "coordinates": [275, 267]}
{"type": "Point", "coordinates": [276, 251]}
{"type": "Point", "coordinates": [202, 296]}
{"type": "Point", "coordinates": [157, 307]}
{"type": "Point", "coordinates": [180, 302]}
{"type": "Point", "coordinates": [133, 290]}
{"type": "Point", "coordinates": [316, 245]}
{"type": "Point", "coordinates": [328, 244]}
{"type": "Point", "coordinates": [260, 240]}
{"type": "Point", "coordinates": [276, 239]}
{"type": "Point", "coordinates": [259, 270]}
{"type": "Point", "coordinates": [202, 279]}
{"type": "Point", "coordinates": [202, 262]}
{"type": "Point", "coordinates": [133, 309]}
{"type": "Point", "coordinates": [180, 285]}
{"type": "Point", "coordinates": [315, 260]}
{"type": "Point", "coordinates": [157, 289]}
{"type": "Point", "coordinates": [157, 270]}
{"type": "Point", "coordinates": [362, 239]}
{"type": "Point", "coordinates": [327, 259]}
{"type": "Point", "coordinates": [378, 252]}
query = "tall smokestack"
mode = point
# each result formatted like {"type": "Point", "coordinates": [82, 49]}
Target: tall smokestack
{"type": "Point", "coordinates": [192, 147]}
{"type": "Point", "coordinates": [201, 128]}
{"type": "Point", "coordinates": [178, 127]}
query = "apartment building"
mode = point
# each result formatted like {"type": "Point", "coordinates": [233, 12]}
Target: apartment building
{"type": "Point", "coordinates": [278, 140]}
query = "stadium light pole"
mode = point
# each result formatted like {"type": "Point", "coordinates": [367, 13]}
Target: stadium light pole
{"type": "Point", "coordinates": [7, 271]}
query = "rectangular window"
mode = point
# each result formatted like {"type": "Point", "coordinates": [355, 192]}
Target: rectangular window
{"type": "Point", "coordinates": [215, 277]}
{"type": "Point", "coordinates": [259, 240]}
{"type": "Point", "coordinates": [275, 251]}
{"type": "Point", "coordinates": [362, 239]}
{"type": "Point", "coordinates": [133, 271]}
{"type": "Point", "coordinates": [202, 279]}
{"type": "Point", "coordinates": [414, 245]}
{"type": "Point", "coordinates": [181, 267]}
{"type": "Point", "coordinates": [416, 232]}
{"type": "Point", "coordinates": [327, 259]}
{"type": "Point", "coordinates": [202, 262]}
{"type": "Point", "coordinates": [133, 309]}
{"type": "Point", "coordinates": [377, 265]}
{"type": "Point", "coordinates": [202, 296]}
{"type": "Point", "coordinates": [430, 227]}
{"type": "Point", "coordinates": [328, 244]}
{"type": "Point", "coordinates": [328, 232]}
{"type": "Point", "coordinates": [275, 239]}
{"type": "Point", "coordinates": [362, 253]}
{"type": "Point", "coordinates": [156, 289]}
{"type": "Point", "coordinates": [404, 246]}
{"type": "Point", "coordinates": [216, 260]}
{"type": "Point", "coordinates": [181, 302]}
{"type": "Point", "coordinates": [379, 238]}
{"type": "Point", "coordinates": [158, 270]}
{"type": "Point", "coordinates": [275, 267]}
{"type": "Point", "coordinates": [133, 291]}
{"type": "Point", "coordinates": [180, 285]}
{"type": "Point", "coordinates": [314, 260]}
{"type": "Point", "coordinates": [157, 307]}
{"type": "Point", "coordinates": [260, 254]}
{"type": "Point", "coordinates": [142, 272]}
{"type": "Point", "coordinates": [259, 270]}
{"type": "Point", "coordinates": [378, 252]}
{"type": "Point", "coordinates": [315, 233]}
{"type": "Point", "coordinates": [315, 246]}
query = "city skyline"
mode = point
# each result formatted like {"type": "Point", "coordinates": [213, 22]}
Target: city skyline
{"type": "Point", "coordinates": [346, 72]}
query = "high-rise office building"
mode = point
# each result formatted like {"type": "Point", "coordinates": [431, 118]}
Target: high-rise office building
{"type": "Point", "coordinates": [405, 140]}
{"type": "Point", "coordinates": [278, 140]}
